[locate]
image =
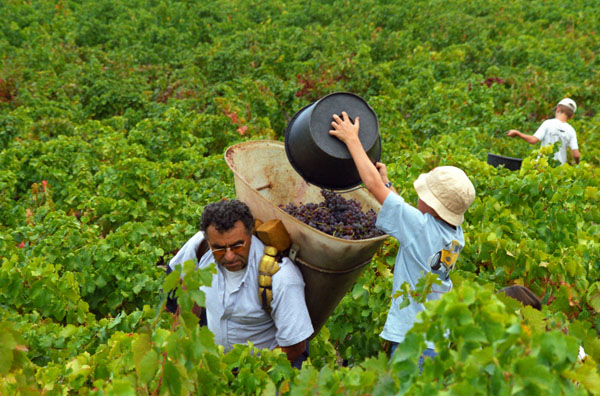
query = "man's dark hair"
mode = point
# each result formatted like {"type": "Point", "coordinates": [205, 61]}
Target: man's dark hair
{"type": "Point", "coordinates": [224, 214]}
{"type": "Point", "coordinates": [524, 295]}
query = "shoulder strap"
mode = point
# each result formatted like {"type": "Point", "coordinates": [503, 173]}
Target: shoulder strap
{"type": "Point", "coordinates": [202, 248]}
{"type": "Point", "coordinates": [267, 267]}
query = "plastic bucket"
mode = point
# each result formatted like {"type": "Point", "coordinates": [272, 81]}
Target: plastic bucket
{"type": "Point", "coordinates": [322, 159]}
{"type": "Point", "coordinates": [265, 179]}
{"type": "Point", "coordinates": [508, 162]}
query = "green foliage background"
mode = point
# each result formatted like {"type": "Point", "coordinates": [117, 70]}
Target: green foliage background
{"type": "Point", "coordinates": [114, 116]}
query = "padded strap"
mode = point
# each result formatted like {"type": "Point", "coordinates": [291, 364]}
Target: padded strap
{"type": "Point", "coordinates": [267, 267]}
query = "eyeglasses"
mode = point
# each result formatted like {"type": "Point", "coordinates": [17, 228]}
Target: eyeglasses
{"type": "Point", "coordinates": [235, 248]}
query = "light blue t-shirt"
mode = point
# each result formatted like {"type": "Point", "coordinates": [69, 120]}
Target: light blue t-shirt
{"type": "Point", "coordinates": [422, 239]}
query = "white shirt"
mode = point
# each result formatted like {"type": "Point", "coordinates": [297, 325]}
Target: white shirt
{"type": "Point", "coordinates": [233, 279]}
{"type": "Point", "coordinates": [236, 316]}
{"type": "Point", "coordinates": [554, 130]}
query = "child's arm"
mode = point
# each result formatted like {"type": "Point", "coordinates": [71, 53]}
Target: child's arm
{"type": "Point", "coordinates": [528, 138]}
{"type": "Point", "coordinates": [347, 132]}
{"type": "Point", "coordinates": [381, 168]}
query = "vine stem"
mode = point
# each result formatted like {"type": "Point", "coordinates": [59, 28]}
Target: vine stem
{"type": "Point", "coordinates": [161, 375]}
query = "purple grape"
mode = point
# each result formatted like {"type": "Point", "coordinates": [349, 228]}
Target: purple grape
{"type": "Point", "coordinates": [337, 216]}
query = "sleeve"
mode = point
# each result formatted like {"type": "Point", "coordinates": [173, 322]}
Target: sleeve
{"type": "Point", "coordinates": [541, 131]}
{"type": "Point", "coordinates": [399, 219]}
{"type": "Point", "coordinates": [187, 251]}
{"type": "Point", "coordinates": [573, 141]}
{"type": "Point", "coordinates": [171, 304]}
{"type": "Point", "coordinates": [289, 311]}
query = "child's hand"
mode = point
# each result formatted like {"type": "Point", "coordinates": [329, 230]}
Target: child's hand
{"type": "Point", "coordinates": [343, 128]}
{"type": "Point", "coordinates": [382, 171]}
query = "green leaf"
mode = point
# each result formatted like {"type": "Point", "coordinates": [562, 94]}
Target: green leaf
{"type": "Point", "coordinates": [593, 296]}
{"type": "Point", "coordinates": [576, 190]}
{"type": "Point", "coordinates": [535, 319]}
{"type": "Point", "coordinates": [141, 345]}
{"type": "Point", "coordinates": [148, 366]}
{"type": "Point", "coordinates": [171, 281]}
{"type": "Point", "coordinates": [7, 345]}
{"type": "Point", "coordinates": [68, 331]}
{"type": "Point", "coordinates": [459, 312]}
{"type": "Point", "coordinates": [122, 387]}
{"type": "Point", "coordinates": [172, 378]}
{"type": "Point", "coordinates": [587, 375]}
{"type": "Point", "coordinates": [6, 359]}
{"type": "Point", "coordinates": [248, 381]}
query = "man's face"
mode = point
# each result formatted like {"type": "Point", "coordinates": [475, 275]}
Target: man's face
{"type": "Point", "coordinates": [230, 248]}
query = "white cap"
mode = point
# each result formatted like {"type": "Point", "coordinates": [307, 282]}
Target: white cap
{"type": "Point", "coordinates": [570, 103]}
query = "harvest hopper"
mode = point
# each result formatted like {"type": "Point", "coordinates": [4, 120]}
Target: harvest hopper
{"type": "Point", "coordinates": [264, 179]}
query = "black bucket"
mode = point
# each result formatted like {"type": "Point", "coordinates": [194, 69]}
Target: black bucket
{"type": "Point", "coordinates": [322, 159]}
{"type": "Point", "coordinates": [508, 162]}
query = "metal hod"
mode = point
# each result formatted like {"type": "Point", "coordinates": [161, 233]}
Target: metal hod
{"type": "Point", "coordinates": [264, 179]}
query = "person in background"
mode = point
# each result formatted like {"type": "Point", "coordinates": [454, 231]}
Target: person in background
{"type": "Point", "coordinates": [528, 298]}
{"type": "Point", "coordinates": [234, 313]}
{"type": "Point", "coordinates": [524, 295]}
{"type": "Point", "coordinates": [556, 130]}
{"type": "Point", "coordinates": [430, 235]}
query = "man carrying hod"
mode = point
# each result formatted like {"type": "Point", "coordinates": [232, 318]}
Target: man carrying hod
{"type": "Point", "coordinates": [234, 312]}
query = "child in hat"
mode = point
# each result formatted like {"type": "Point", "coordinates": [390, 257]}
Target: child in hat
{"type": "Point", "coordinates": [430, 235]}
{"type": "Point", "coordinates": [556, 130]}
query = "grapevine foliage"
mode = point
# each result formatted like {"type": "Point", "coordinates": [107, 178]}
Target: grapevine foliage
{"type": "Point", "coordinates": [114, 116]}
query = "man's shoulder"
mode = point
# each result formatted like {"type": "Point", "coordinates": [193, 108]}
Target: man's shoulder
{"type": "Point", "coordinates": [188, 250]}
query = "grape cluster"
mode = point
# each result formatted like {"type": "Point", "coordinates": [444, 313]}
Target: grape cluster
{"type": "Point", "coordinates": [337, 216]}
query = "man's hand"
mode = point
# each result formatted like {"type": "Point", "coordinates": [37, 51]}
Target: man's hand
{"type": "Point", "coordinates": [512, 133]}
{"type": "Point", "coordinates": [197, 310]}
{"type": "Point", "coordinates": [293, 352]}
{"type": "Point", "coordinates": [344, 129]}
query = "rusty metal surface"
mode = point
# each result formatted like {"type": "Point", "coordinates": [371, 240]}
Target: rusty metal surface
{"type": "Point", "coordinates": [257, 164]}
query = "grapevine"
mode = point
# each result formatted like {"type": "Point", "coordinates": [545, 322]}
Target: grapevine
{"type": "Point", "coordinates": [114, 117]}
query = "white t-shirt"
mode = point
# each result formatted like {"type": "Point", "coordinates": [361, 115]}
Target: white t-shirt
{"type": "Point", "coordinates": [233, 279]}
{"type": "Point", "coordinates": [554, 130]}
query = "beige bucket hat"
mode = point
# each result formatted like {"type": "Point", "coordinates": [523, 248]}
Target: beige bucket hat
{"type": "Point", "coordinates": [448, 191]}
